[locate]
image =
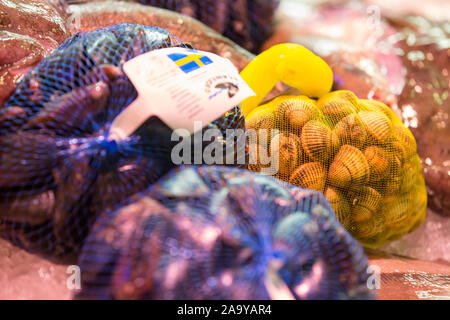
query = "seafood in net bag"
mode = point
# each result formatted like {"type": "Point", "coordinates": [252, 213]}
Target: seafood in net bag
{"type": "Point", "coordinates": [400, 58]}
{"type": "Point", "coordinates": [211, 232]}
{"type": "Point", "coordinates": [357, 152]}
{"type": "Point", "coordinates": [58, 168]}
{"type": "Point", "coordinates": [93, 15]}
{"type": "Point", "coordinates": [248, 23]}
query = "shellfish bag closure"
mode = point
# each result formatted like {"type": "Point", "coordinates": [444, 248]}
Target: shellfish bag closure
{"type": "Point", "coordinates": [209, 232]}
{"type": "Point", "coordinates": [357, 152]}
{"type": "Point", "coordinates": [57, 167]}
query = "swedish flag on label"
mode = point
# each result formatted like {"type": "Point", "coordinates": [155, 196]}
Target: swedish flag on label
{"type": "Point", "coordinates": [189, 62]}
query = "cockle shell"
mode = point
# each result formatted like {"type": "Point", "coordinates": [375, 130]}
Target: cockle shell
{"type": "Point", "coordinates": [406, 139]}
{"type": "Point", "coordinates": [367, 153]}
{"type": "Point", "coordinates": [310, 175]}
{"type": "Point", "coordinates": [337, 104]}
{"type": "Point", "coordinates": [410, 172]}
{"type": "Point", "coordinates": [264, 121]}
{"type": "Point", "coordinates": [405, 212]}
{"type": "Point", "coordinates": [378, 161]}
{"type": "Point", "coordinates": [258, 157]}
{"type": "Point", "coordinates": [374, 105]}
{"type": "Point", "coordinates": [318, 141]}
{"type": "Point", "coordinates": [394, 178]}
{"type": "Point", "coordinates": [395, 209]}
{"type": "Point", "coordinates": [377, 124]}
{"type": "Point", "coordinates": [398, 153]}
{"type": "Point", "coordinates": [339, 204]}
{"type": "Point", "coordinates": [392, 185]}
{"type": "Point", "coordinates": [365, 203]}
{"type": "Point", "coordinates": [370, 228]}
{"type": "Point", "coordinates": [294, 112]}
{"type": "Point", "coordinates": [285, 149]}
{"type": "Point", "coordinates": [349, 167]}
{"type": "Point", "coordinates": [262, 126]}
{"type": "Point", "coordinates": [350, 130]}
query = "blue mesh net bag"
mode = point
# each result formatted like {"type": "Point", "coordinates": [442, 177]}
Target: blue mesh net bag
{"type": "Point", "coordinates": [209, 232]}
{"type": "Point", "coordinates": [249, 23]}
{"type": "Point", "coordinates": [57, 167]}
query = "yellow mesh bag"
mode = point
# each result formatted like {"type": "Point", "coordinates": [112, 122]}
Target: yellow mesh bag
{"type": "Point", "coordinates": [357, 152]}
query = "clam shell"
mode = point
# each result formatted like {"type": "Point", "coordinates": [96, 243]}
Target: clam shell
{"type": "Point", "coordinates": [318, 141]}
{"type": "Point", "coordinates": [350, 130]}
{"type": "Point", "coordinates": [369, 228]}
{"type": "Point", "coordinates": [377, 125]}
{"type": "Point", "coordinates": [374, 105]}
{"type": "Point", "coordinates": [337, 104]}
{"type": "Point", "coordinates": [349, 167]}
{"type": "Point", "coordinates": [405, 139]}
{"type": "Point", "coordinates": [310, 175]}
{"type": "Point", "coordinates": [262, 125]}
{"type": "Point", "coordinates": [398, 153]}
{"type": "Point", "coordinates": [339, 204]}
{"type": "Point", "coordinates": [264, 121]}
{"type": "Point", "coordinates": [378, 161]}
{"type": "Point", "coordinates": [410, 172]}
{"type": "Point", "coordinates": [285, 150]}
{"type": "Point", "coordinates": [258, 157]}
{"type": "Point", "coordinates": [365, 203]}
{"type": "Point", "coordinates": [392, 185]}
{"type": "Point", "coordinates": [396, 209]}
{"type": "Point", "coordinates": [295, 111]}
{"type": "Point", "coordinates": [393, 180]}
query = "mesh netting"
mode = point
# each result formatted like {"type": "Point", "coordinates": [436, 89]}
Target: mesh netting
{"type": "Point", "coordinates": [211, 232]}
{"type": "Point", "coordinates": [248, 23]}
{"type": "Point", "coordinates": [57, 167]}
{"type": "Point", "coordinates": [357, 152]}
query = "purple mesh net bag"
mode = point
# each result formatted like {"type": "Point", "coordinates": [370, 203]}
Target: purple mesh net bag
{"type": "Point", "coordinates": [208, 232]}
{"type": "Point", "coordinates": [248, 23]}
{"type": "Point", "coordinates": [58, 170]}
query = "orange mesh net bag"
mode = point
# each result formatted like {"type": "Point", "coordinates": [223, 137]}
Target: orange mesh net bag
{"type": "Point", "coordinates": [357, 152]}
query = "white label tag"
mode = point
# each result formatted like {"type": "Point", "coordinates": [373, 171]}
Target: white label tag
{"type": "Point", "coordinates": [180, 86]}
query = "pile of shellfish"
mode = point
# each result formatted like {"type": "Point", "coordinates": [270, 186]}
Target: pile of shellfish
{"type": "Point", "coordinates": [215, 232]}
{"type": "Point", "coordinates": [357, 152]}
{"type": "Point", "coordinates": [58, 168]}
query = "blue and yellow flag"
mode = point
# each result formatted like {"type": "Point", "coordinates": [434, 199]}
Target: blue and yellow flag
{"type": "Point", "coordinates": [189, 62]}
